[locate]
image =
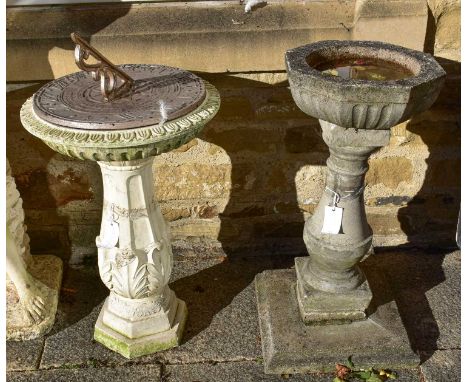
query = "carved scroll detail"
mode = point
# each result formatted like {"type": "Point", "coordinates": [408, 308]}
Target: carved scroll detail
{"type": "Point", "coordinates": [115, 83]}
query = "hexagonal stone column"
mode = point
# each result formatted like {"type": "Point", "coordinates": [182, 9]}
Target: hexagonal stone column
{"type": "Point", "coordinates": [142, 314]}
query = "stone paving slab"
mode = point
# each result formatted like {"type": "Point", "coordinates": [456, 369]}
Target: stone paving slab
{"type": "Point", "coordinates": [443, 366]}
{"type": "Point", "coordinates": [248, 372]}
{"type": "Point", "coordinates": [427, 289]}
{"type": "Point", "coordinates": [24, 355]}
{"type": "Point", "coordinates": [71, 339]}
{"type": "Point", "coordinates": [222, 323]}
{"type": "Point", "coordinates": [75, 345]}
{"type": "Point", "coordinates": [82, 290]}
{"type": "Point", "coordinates": [140, 373]}
{"type": "Point", "coordinates": [232, 372]}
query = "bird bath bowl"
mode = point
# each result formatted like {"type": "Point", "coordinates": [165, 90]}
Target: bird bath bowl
{"type": "Point", "coordinates": [327, 310]}
{"type": "Point", "coordinates": [378, 85]}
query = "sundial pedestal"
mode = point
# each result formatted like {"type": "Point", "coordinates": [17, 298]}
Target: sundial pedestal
{"type": "Point", "coordinates": [164, 109]}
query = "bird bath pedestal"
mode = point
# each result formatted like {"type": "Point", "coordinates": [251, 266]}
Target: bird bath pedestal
{"type": "Point", "coordinates": [327, 309]}
{"type": "Point", "coordinates": [136, 113]}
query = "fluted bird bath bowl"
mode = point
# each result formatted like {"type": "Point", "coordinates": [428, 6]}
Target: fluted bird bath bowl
{"type": "Point", "coordinates": [135, 113]}
{"type": "Point", "coordinates": [327, 311]}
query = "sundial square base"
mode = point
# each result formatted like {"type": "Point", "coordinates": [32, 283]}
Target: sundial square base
{"type": "Point", "coordinates": [319, 306]}
{"type": "Point", "coordinates": [136, 347]}
{"type": "Point", "coordinates": [290, 346]}
{"type": "Point", "coordinates": [137, 318]}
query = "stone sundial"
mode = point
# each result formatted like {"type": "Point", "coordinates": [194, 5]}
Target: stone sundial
{"type": "Point", "coordinates": [122, 116]}
{"type": "Point", "coordinates": [76, 100]}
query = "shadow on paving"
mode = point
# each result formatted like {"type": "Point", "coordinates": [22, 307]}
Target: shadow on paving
{"type": "Point", "coordinates": [82, 290]}
{"type": "Point", "coordinates": [429, 220]}
{"type": "Point", "coordinates": [222, 324]}
{"type": "Point", "coordinates": [208, 291]}
{"type": "Point", "coordinates": [431, 215]}
{"type": "Point", "coordinates": [262, 217]}
{"type": "Point", "coordinates": [412, 276]}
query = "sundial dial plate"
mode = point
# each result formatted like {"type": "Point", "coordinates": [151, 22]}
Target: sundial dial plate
{"type": "Point", "coordinates": [159, 93]}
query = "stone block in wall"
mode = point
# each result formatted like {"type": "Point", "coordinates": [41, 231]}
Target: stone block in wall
{"type": "Point", "coordinates": [444, 173]}
{"type": "Point", "coordinates": [236, 42]}
{"type": "Point", "coordinates": [450, 95]}
{"type": "Point", "coordinates": [239, 208]}
{"type": "Point", "coordinates": [389, 171]}
{"type": "Point", "coordinates": [172, 212]}
{"type": "Point", "coordinates": [448, 32]}
{"type": "Point", "coordinates": [235, 107]}
{"type": "Point", "coordinates": [246, 179]}
{"type": "Point", "coordinates": [438, 7]}
{"type": "Point", "coordinates": [198, 228]}
{"type": "Point", "coordinates": [49, 239]}
{"type": "Point", "coordinates": [82, 242]}
{"type": "Point", "coordinates": [276, 103]}
{"type": "Point", "coordinates": [310, 182]}
{"type": "Point", "coordinates": [390, 223]}
{"type": "Point", "coordinates": [184, 148]}
{"type": "Point", "coordinates": [243, 139]}
{"type": "Point", "coordinates": [411, 223]}
{"type": "Point", "coordinates": [191, 181]}
{"type": "Point", "coordinates": [305, 139]}
{"type": "Point", "coordinates": [53, 187]}
{"type": "Point", "coordinates": [246, 79]}
{"type": "Point", "coordinates": [276, 228]}
{"type": "Point", "coordinates": [195, 209]}
{"type": "Point", "coordinates": [434, 134]}
{"type": "Point", "coordinates": [275, 233]}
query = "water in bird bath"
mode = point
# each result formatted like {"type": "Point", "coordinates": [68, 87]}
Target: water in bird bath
{"type": "Point", "coordinates": [365, 69]}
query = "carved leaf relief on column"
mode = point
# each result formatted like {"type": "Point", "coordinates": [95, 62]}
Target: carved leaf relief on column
{"type": "Point", "coordinates": [126, 276]}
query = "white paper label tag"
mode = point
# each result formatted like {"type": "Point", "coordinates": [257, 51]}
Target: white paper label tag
{"type": "Point", "coordinates": [110, 235]}
{"type": "Point", "coordinates": [332, 220]}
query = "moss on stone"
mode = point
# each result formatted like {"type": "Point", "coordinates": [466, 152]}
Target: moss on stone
{"type": "Point", "coordinates": [132, 351]}
{"type": "Point", "coordinates": [152, 345]}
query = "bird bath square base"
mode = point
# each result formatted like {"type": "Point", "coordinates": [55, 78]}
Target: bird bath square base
{"type": "Point", "coordinates": [136, 347]}
{"type": "Point", "coordinates": [290, 346]}
{"type": "Point", "coordinates": [316, 305]}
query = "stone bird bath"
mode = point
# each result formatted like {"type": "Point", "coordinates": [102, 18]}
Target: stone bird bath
{"type": "Point", "coordinates": [135, 113]}
{"type": "Point", "coordinates": [323, 313]}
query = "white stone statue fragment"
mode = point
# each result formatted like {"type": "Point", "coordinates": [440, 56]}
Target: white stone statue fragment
{"type": "Point", "coordinates": [30, 295]}
{"type": "Point", "coordinates": [32, 282]}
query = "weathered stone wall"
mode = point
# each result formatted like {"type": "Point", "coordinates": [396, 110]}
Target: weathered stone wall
{"type": "Point", "coordinates": [258, 170]}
